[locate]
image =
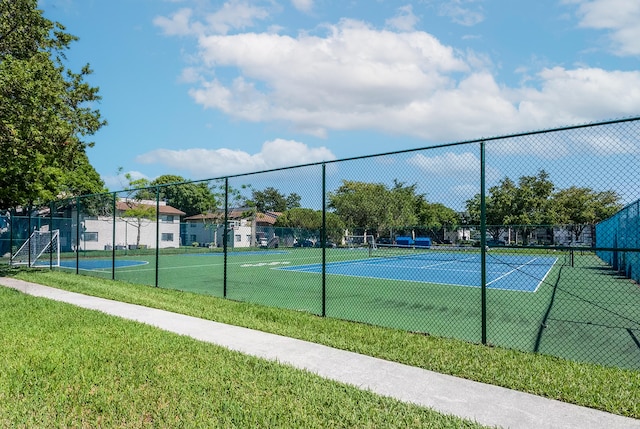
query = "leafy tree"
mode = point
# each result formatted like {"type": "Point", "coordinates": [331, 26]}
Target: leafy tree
{"type": "Point", "coordinates": [141, 214]}
{"type": "Point", "coordinates": [524, 206]}
{"type": "Point", "coordinates": [533, 202]}
{"type": "Point", "coordinates": [530, 202]}
{"type": "Point", "coordinates": [499, 207]}
{"type": "Point", "coordinates": [311, 220]}
{"type": "Point", "coordinates": [436, 218]}
{"type": "Point", "coordinates": [335, 227]}
{"type": "Point", "coordinates": [45, 111]}
{"type": "Point", "coordinates": [401, 203]}
{"type": "Point", "coordinates": [138, 213]}
{"type": "Point", "coordinates": [578, 208]}
{"type": "Point", "coordinates": [292, 200]}
{"type": "Point", "coordinates": [383, 209]}
{"type": "Point", "coordinates": [271, 200]}
{"type": "Point", "coordinates": [300, 218]}
{"type": "Point", "coordinates": [191, 198]}
{"type": "Point", "coordinates": [138, 189]}
{"type": "Point", "coordinates": [92, 205]}
{"type": "Point", "coordinates": [361, 205]}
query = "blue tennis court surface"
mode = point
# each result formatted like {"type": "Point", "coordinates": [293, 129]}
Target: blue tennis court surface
{"type": "Point", "coordinates": [505, 272]}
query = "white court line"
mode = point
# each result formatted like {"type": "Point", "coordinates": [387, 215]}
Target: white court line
{"type": "Point", "coordinates": [515, 269]}
{"type": "Point", "coordinates": [384, 263]}
{"type": "Point", "coordinates": [448, 262]}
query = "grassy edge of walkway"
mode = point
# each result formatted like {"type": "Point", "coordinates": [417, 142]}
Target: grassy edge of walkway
{"type": "Point", "coordinates": [609, 389]}
{"type": "Point", "coordinates": [66, 366]}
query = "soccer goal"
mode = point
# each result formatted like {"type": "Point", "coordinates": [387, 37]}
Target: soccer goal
{"type": "Point", "coordinates": [353, 241]}
{"type": "Point", "coordinates": [41, 248]}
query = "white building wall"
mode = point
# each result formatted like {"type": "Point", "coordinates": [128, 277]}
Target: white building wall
{"type": "Point", "coordinates": [97, 233]}
{"type": "Point", "coordinates": [241, 236]}
{"type": "Point", "coordinates": [205, 234]}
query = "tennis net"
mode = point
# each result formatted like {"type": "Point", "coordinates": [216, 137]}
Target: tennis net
{"type": "Point", "coordinates": [396, 251]}
{"type": "Point", "coordinates": [510, 257]}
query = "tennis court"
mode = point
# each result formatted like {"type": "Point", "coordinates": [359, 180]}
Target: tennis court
{"type": "Point", "coordinates": [446, 267]}
{"type": "Point", "coordinates": [537, 300]}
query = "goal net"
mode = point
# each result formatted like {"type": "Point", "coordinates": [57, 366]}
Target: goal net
{"type": "Point", "coordinates": [42, 248]}
{"type": "Point", "coordinates": [353, 241]}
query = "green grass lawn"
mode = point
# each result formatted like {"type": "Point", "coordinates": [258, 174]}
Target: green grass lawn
{"type": "Point", "coordinates": [63, 366]}
{"type": "Point", "coordinates": [581, 311]}
{"type": "Point", "coordinates": [607, 388]}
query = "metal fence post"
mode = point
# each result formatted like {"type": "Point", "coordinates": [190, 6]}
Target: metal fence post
{"type": "Point", "coordinates": [323, 240]}
{"type": "Point", "coordinates": [29, 234]}
{"type": "Point", "coordinates": [77, 235]}
{"type": "Point", "coordinates": [12, 221]}
{"type": "Point", "coordinates": [51, 206]}
{"type": "Point", "coordinates": [483, 244]}
{"type": "Point", "coordinates": [225, 235]}
{"type": "Point", "coordinates": [113, 239]}
{"type": "Point", "coordinates": [157, 231]}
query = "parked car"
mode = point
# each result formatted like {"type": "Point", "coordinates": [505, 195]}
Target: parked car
{"type": "Point", "coordinates": [303, 243]}
{"type": "Point", "coordinates": [328, 244]}
{"type": "Point", "coordinates": [263, 243]}
{"type": "Point", "coordinates": [495, 243]}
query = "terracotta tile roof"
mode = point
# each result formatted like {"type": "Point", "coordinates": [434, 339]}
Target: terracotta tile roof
{"type": "Point", "coordinates": [234, 214]}
{"type": "Point", "coordinates": [164, 209]}
{"type": "Point", "coordinates": [268, 217]}
{"type": "Point", "coordinates": [205, 216]}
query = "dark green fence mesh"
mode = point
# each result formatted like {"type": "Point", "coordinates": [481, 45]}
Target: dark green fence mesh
{"type": "Point", "coordinates": [528, 241]}
{"type": "Point", "coordinates": [619, 237]}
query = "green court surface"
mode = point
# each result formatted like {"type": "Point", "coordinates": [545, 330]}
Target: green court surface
{"type": "Point", "coordinates": [580, 309]}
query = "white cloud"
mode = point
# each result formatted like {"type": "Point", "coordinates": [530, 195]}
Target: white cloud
{"type": "Point", "coordinates": [605, 143]}
{"type": "Point", "coordinates": [232, 15]}
{"type": "Point", "coordinates": [405, 20]}
{"type": "Point", "coordinates": [303, 5]}
{"type": "Point", "coordinates": [177, 24]}
{"type": "Point", "coordinates": [462, 12]}
{"type": "Point", "coordinates": [235, 14]}
{"type": "Point", "coordinates": [464, 166]}
{"type": "Point", "coordinates": [204, 163]}
{"type": "Point", "coordinates": [574, 96]}
{"type": "Point", "coordinates": [189, 75]}
{"type": "Point", "coordinates": [619, 17]}
{"type": "Point", "coordinates": [447, 164]}
{"type": "Point", "coordinates": [356, 77]}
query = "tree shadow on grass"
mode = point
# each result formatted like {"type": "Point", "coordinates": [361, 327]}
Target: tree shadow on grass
{"type": "Point", "coordinates": [7, 270]}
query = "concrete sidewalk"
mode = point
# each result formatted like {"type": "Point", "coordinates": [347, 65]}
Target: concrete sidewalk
{"type": "Point", "coordinates": [486, 404]}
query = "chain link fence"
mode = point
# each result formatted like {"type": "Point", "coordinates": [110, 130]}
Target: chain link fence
{"type": "Point", "coordinates": [527, 241]}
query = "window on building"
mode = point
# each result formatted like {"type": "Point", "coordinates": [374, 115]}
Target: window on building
{"type": "Point", "coordinates": [90, 236]}
{"type": "Point", "coordinates": [238, 238]}
{"type": "Point", "coordinates": [194, 238]}
{"type": "Point", "coordinates": [167, 218]}
{"type": "Point", "coordinates": [167, 236]}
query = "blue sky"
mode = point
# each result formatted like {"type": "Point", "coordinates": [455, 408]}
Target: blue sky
{"type": "Point", "coordinates": [204, 88]}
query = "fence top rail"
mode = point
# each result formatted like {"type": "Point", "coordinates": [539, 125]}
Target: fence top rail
{"type": "Point", "coordinates": [398, 152]}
